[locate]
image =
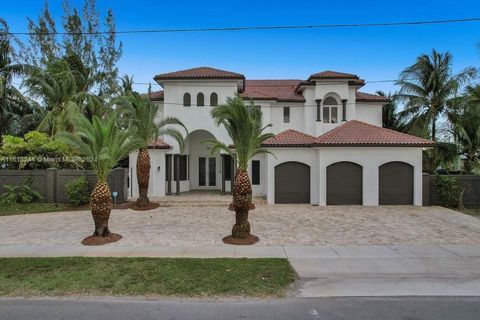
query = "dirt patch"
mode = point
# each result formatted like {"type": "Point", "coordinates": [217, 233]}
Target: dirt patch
{"type": "Point", "coordinates": [133, 205]}
{"type": "Point", "coordinates": [241, 242]}
{"type": "Point", "coordinates": [98, 241]}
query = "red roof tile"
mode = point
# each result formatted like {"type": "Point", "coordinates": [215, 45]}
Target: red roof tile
{"type": "Point", "coordinates": [357, 133]}
{"type": "Point", "coordinates": [156, 95]}
{"type": "Point", "coordinates": [159, 144]}
{"type": "Point", "coordinates": [280, 90]}
{"type": "Point", "coordinates": [367, 97]}
{"type": "Point", "coordinates": [332, 75]}
{"type": "Point", "coordinates": [290, 138]}
{"type": "Point", "coordinates": [199, 73]}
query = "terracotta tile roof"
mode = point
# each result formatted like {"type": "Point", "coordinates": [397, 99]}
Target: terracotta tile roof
{"type": "Point", "coordinates": [357, 133]}
{"type": "Point", "coordinates": [159, 144]}
{"type": "Point", "coordinates": [332, 75]}
{"type": "Point", "coordinates": [280, 90]}
{"type": "Point", "coordinates": [290, 138]}
{"type": "Point", "coordinates": [156, 95]}
{"type": "Point", "coordinates": [367, 97]}
{"type": "Point", "coordinates": [199, 73]}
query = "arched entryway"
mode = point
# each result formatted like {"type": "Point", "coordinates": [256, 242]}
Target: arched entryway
{"type": "Point", "coordinates": [395, 183]}
{"type": "Point", "coordinates": [198, 169]}
{"type": "Point", "coordinates": [292, 183]}
{"type": "Point", "coordinates": [344, 183]}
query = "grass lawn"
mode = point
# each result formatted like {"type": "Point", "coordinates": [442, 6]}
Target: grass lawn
{"type": "Point", "coordinates": [37, 207]}
{"type": "Point", "coordinates": [145, 277]}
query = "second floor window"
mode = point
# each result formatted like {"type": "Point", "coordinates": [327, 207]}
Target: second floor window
{"type": "Point", "coordinates": [330, 110]}
{"type": "Point", "coordinates": [200, 100]}
{"type": "Point", "coordinates": [286, 114]}
{"type": "Point", "coordinates": [187, 100]}
{"type": "Point", "coordinates": [213, 100]}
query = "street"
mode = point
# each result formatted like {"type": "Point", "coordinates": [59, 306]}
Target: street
{"type": "Point", "coordinates": [381, 308]}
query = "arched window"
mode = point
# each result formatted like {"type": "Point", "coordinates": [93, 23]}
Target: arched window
{"type": "Point", "coordinates": [213, 99]}
{"type": "Point", "coordinates": [330, 110]}
{"type": "Point", "coordinates": [187, 100]}
{"type": "Point", "coordinates": [200, 100]}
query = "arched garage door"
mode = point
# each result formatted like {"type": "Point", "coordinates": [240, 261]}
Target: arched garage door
{"type": "Point", "coordinates": [344, 183]}
{"type": "Point", "coordinates": [292, 183]}
{"type": "Point", "coordinates": [395, 183]}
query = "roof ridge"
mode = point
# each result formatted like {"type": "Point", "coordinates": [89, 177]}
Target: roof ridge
{"type": "Point", "coordinates": [323, 139]}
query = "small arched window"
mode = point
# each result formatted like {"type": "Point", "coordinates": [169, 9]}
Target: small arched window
{"type": "Point", "coordinates": [200, 100]}
{"type": "Point", "coordinates": [213, 99]}
{"type": "Point", "coordinates": [330, 110]}
{"type": "Point", "coordinates": [187, 100]}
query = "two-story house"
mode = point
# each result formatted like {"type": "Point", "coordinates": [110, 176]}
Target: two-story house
{"type": "Point", "coordinates": [329, 146]}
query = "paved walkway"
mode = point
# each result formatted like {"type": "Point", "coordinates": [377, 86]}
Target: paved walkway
{"type": "Point", "coordinates": [336, 251]}
{"type": "Point", "coordinates": [290, 252]}
{"type": "Point", "coordinates": [287, 225]}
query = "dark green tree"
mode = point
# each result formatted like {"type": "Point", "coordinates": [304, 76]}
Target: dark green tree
{"type": "Point", "coordinates": [98, 51]}
{"type": "Point", "coordinates": [466, 129]}
{"type": "Point", "coordinates": [390, 113]}
{"type": "Point", "coordinates": [426, 87]}
{"type": "Point", "coordinates": [42, 45]}
{"type": "Point", "coordinates": [17, 112]}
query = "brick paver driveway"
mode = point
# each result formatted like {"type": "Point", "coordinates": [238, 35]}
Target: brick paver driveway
{"type": "Point", "coordinates": [274, 224]}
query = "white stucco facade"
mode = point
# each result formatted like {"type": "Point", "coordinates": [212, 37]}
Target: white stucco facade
{"type": "Point", "coordinates": [313, 107]}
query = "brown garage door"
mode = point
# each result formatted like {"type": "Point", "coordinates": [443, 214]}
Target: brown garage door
{"type": "Point", "coordinates": [292, 183]}
{"type": "Point", "coordinates": [344, 183]}
{"type": "Point", "coordinates": [395, 183]}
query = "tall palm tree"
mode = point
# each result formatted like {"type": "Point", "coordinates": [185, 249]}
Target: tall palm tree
{"type": "Point", "coordinates": [64, 88]}
{"type": "Point", "coordinates": [244, 126]}
{"type": "Point", "coordinates": [466, 129]}
{"type": "Point", "coordinates": [106, 144]}
{"type": "Point", "coordinates": [141, 113]}
{"type": "Point", "coordinates": [426, 86]}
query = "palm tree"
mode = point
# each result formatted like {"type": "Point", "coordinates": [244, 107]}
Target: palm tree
{"type": "Point", "coordinates": [426, 86]}
{"type": "Point", "coordinates": [105, 143]}
{"type": "Point", "coordinates": [141, 113]}
{"type": "Point", "coordinates": [244, 126]}
{"type": "Point", "coordinates": [466, 129]}
{"type": "Point", "coordinates": [127, 84]}
{"type": "Point", "coordinates": [390, 115]}
{"type": "Point", "coordinates": [64, 87]}
{"type": "Point", "coordinates": [16, 110]}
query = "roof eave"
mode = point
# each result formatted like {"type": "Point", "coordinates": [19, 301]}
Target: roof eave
{"type": "Point", "coordinates": [376, 145]}
{"type": "Point", "coordinates": [287, 145]}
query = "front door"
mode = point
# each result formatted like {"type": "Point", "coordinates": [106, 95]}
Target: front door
{"type": "Point", "coordinates": [207, 173]}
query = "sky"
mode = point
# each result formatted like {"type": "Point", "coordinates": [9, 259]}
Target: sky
{"type": "Point", "coordinates": [374, 54]}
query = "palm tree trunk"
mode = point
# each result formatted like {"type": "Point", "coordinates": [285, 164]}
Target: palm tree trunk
{"type": "Point", "coordinates": [242, 199]}
{"type": "Point", "coordinates": [101, 204]}
{"type": "Point", "coordinates": [434, 128]}
{"type": "Point", "coordinates": [143, 176]}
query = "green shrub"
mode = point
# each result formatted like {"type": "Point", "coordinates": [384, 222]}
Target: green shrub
{"type": "Point", "coordinates": [77, 190]}
{"type": "Point", "coordinates": [19, 193]}
{"type": "Point", "coordinates": [37, 150]}
{"type": "Point", "coordinates": [448, 191]}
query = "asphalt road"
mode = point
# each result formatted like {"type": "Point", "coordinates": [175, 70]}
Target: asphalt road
{"type": "Point", "coordinates": [407, 308]}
